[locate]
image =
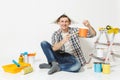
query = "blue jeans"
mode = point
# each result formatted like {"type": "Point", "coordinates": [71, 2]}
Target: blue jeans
{"type": "Point", "coordinates": [67, 62]}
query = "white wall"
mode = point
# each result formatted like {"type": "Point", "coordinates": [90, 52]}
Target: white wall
{"type": "Point", "coordinates": [24, 23]}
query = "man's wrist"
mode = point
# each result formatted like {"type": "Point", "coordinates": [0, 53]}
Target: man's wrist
{"type": "Point", "coordinates": [62, 42]}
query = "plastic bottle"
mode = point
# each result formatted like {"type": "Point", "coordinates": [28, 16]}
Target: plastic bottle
{"type": "Point", "coordinates": [21, 59]}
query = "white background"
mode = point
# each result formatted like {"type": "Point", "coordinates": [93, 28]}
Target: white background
{"type": "Point", "coordinates": [25, 23]}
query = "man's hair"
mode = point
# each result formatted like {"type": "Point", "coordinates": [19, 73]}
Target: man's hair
{"type": "Point", "coordinates": [63, 16]}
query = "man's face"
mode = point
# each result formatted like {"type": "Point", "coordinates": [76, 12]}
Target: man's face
{"type": "Point", "coordinates": [64, 23]}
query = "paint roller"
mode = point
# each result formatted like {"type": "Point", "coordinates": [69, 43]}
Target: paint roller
{"type": "Point", "coordinates": [27, 70]}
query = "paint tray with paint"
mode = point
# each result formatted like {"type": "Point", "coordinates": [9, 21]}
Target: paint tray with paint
{"type": "Point", "coordinates": [12, 68]}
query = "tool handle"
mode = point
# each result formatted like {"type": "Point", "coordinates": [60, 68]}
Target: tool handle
{"type": "Point", "coordinates": [74, 33]}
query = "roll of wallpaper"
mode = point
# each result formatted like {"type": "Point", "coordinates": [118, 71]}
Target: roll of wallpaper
{"type": "Point", "coordinates": [27, 70]}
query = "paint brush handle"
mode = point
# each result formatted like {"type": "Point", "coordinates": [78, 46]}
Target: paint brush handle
{"type": "Point", "coordinates": [74, 33]}
{"type": "Point", "coordinates": [16, 63]}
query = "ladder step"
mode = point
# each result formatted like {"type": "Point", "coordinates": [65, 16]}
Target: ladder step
{"type": "Point", "coordinates": [116, 55]}
{"type": "Point", "coordinates": [101, 59]}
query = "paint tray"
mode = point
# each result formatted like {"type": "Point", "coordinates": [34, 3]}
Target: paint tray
{"type": "Point", "coordinates": [12, 68]}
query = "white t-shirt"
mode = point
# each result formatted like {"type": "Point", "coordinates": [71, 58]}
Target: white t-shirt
{"type": "Point", "coordinates": [68, 47]}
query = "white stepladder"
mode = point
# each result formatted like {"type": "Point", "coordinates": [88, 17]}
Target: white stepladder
{"type": "Point", "coordinates": [109, 44]}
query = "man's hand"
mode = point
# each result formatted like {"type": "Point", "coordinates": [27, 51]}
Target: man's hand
{"type": "Point", "coordinates": [66, 38]}
{"type": "Point", "coordinates": [86, 23]}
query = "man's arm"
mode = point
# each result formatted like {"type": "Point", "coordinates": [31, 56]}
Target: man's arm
{"type": "Point", "coordinates": [91, 29]}
{"type": "Point", "coordinates": [58, 45]}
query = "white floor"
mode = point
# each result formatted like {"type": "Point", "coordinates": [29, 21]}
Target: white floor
{"type": "Point", "coordinates": [84, 74]}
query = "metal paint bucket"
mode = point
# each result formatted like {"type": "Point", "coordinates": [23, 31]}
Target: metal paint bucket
{"type": "Point", "coordinates": [97, 67]}
{"type": "Point", "coordinates": [106, 68]}
{"type": "Point", "coordinates": [83, 32]}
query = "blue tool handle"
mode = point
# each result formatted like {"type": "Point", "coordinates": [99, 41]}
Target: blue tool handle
{"type": "Point", "coordinates": [16, 63]}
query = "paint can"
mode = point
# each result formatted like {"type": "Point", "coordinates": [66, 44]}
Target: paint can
{"type": "Point", "coordinates": [83, 32]}
{"type": "Point", "coordinates": [31, 57]}
{"type": "Point", "coordinates": [106, 68]}
{"type": "Point", "coordinates": [97, 67]}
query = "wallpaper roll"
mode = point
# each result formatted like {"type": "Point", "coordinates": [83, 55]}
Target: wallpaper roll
{"type": "Point", "coordinates": [27, 70]}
